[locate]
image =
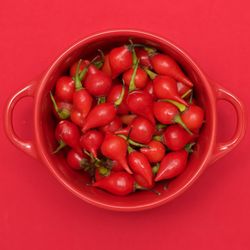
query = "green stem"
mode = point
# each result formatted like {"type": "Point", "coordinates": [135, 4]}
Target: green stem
{"type": "Point", "coordinates": [54, 102]}
{"type": "Point", "coordinates": [98, 64]}
{"type": "Point", "coordinates": [160, 126]}
{"type": "Point", "coordinates": [132, 48]}
{"type": "Point", "coordinates": [132, 81]}
{"type": "Point", "coordinates": [123, 137]}
{"type": "Point", "coordinates": [186, 93]}
{"type": "Point", "coordinates": [191, 98]}
{"type": "Point", "coordinates": [155, 168]}
{"type": "Point", "coordinates": [94, 159]}
{"type": "Point", "coordinates": [103, 171]}
{"type": "Point", "coordinates": [157, 138]}
{"type": "Point", "coordinates": [101, 99]}
{"type": "Point", "coordinates": [137, 144]}
{"type": "Point", "coordinates": [189, 146]}
{"type": "Point", "coordinates": [180, 106]}
{"type": "Point", "coordinates": [62, 113]}
{"type": "Point", "coordinates": [177, 119]}
{"type": "Point", "coordinates": [138, 187]}
{"type": "Point", "coordinates": [78, 83]}
{"type": "Point", "coordinates": [130, 149]}
{"type": "Point", "coordinates": [150, 73]}
{"type": "Point", "coordinates": [120, 99]}
{"type": "Point", "coordinates": [61, 146]}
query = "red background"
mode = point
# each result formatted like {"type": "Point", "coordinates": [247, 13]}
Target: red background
{"type": "Point", "coordinates": [36, 212]}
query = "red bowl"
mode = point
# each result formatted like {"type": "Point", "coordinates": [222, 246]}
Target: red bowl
{"type": "Point", "coordinates": [207, 151]}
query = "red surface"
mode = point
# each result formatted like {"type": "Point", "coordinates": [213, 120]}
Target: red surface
{"type": "Point", "coordinates": [38, 213]}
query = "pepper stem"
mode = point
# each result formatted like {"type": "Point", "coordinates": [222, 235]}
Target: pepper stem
{"type": "Point", "coordinates": [54, 102]}
{"type": "Point", "coordinates": [157, 138]}
{"type": "Point", "coordinates": [103, 171]}
{"type": "Point", "coordinates": [132, 81]}
{"type": "Point", "coordinates": [132, 48]}
{"type": "Point", "coordinates": [155, 169]}
{"type": "Point", "coordinates": [186, 93]}
{"type": "Point", "coordinates": [180, 106]}
{"type": "Point", "coordinates": [130, 149]}
{"type": "Point", "coordinates": [137, 144]}
{"type": "Point", "coordinates": [177, 119]}
{"type": "Point", "coordinates": [160, 126]}
{"type": "Point", "coordinates": [137, 186]}
{"type": "Point", "coordinates": [101, 99]}
{"type": "Point", "coordinates": [150, 73]}
{"type": "Point", "coordinates": [120, 99]}
{"type": "Point", "coordinates": [189, 146]}
{"type": "Point", "coordinates": [61, 145]}
{"type": "Point", "coordinates": [78, 84]}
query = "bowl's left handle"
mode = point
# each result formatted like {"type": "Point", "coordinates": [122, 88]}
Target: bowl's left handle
{"type": "Point", "coordinates": [26, 146]}
{"type": "Point", "coordinates": [223, 148]}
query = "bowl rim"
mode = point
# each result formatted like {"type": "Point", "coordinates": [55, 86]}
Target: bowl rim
{"type": "Point", "coordinates": [103, 35]}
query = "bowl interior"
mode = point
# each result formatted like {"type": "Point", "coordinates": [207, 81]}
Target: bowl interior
{"type": "Point", "coordinates": [78, 181]}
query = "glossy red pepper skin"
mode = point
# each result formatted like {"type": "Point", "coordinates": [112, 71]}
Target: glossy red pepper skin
{"type": "Point", "coordinates": [143, 57]}
{"type": "Point", "coordinates": [140, 165]}
{"type": "Point", "coordinates": [101, 115]}
{"type": "Point", "coordinates": [91, 141]}
{"type": "Point", "coordinates": [82, 101]}
{"type": "Point", "coordinates": [112, 126]}
{"type": "Point", "coordinates": [165, 65]}
{"type": "Point", "coordinates": [140, 103]}
{"type": "Point", "coordinates": [68, 133]}
{"type": "Point", "coordinates": [165, 87]}
{"type": "Point", "coordinates": [118, 183]}
{"type": "Point", "coordinates": [98, 84]}
{"type": "Point", "coordinates": [172, 165]}
{"type": "Point", "coordinates": [141, 78]}
{"type": "Point", "coordinates": [120, 60]}
{"type": "Point", "coordinates": [154, 152]}
{"type": "Point", "coordinates": [115, 148]}
{"type": "Point", "coordinates": [65, 88]}
{"type": "Point", "coordinates": [165, 112]}
{"type": "Point", "coordinates": [175, 137]}
{"type": "Point", "coordinates": [75, 160]}
{"type": "Point", "coordinates": [193, 117]}
{"type": "Point", "coordinates": [114, 95]}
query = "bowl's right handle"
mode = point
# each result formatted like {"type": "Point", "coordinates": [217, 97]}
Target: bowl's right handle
{"type": "Point", "coordinates": [223, 148]}
{"type": "Point", "coordinates": [26, 146]}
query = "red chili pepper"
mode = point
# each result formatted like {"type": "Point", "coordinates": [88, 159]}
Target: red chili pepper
{"type": "Point", "coordinates": [100, 115]}
{"type": "Point", "coordinates": [167, 113]}
{"type": "Point", "coordinates": [193, 117]}
{"type": "Point", "coordinates": [143, 57]}
{"type": "Point", "coordinates": [140, 130]}
{"type": "Point", "coordinates": [61, 109]}
{"type": "Point", "coordinates": [115, 148]}
{"type": "Point", "coordinates": [76, 160]}
{"type": "Point", "coordinates": [165, 65]}
{"type": "Point", "coordinates": [154, 152]}
{"type": "Point", "coordinates": [98, 84]}
{"type": "Point", "coordinates": [175, 137]}
{"type": "Point", "coordinates": [172, 165]}
{"type": "Point", "coordinates": [140, 165]}
{"type": "Point", "coordinates": [120, 60]}
{"type": "Point", "coordinates": [65, 88]}
{"type": "Point", "coordinates": [91, 141]}
{"type": "Point", "coordinates": [112, 126]}
{"type": "Point", "coordinates": [119, 183]}
{"type": "Point", "coordinates": [141, 78]}
{"type": "Point", "coordinates": [114, 95]}
{"type": "Point", "coordinates": [141, 103]}
{"type": "Point", "coordinates": [67, 133]}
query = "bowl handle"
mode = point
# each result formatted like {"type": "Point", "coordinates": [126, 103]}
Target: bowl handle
{"type": "Point", "coordinates": [26, 146]}
{"type": "Point", "coordinates": [223, 148]}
